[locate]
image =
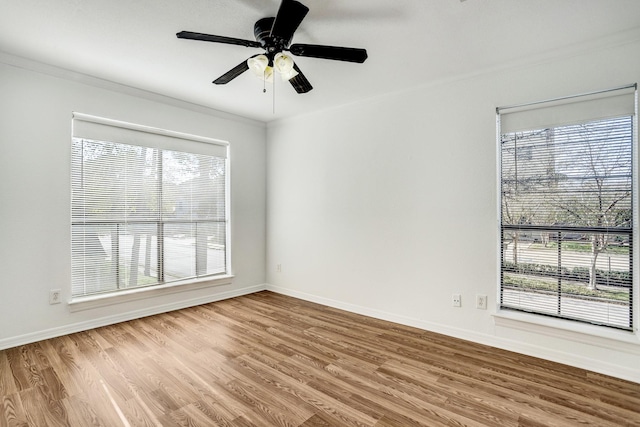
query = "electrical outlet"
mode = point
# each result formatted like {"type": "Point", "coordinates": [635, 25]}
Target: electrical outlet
{"type": "Point", "coordinates": [456, 300]}
{"type": "Point", "coordinates": [279, 268]}
{"type": "Point", "coordinates": [481, 302]}
{"type": "Point", "coordinates": [54, 296]}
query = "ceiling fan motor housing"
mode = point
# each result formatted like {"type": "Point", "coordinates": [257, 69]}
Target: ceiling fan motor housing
{"type": "Point", "coordinates": [262, 32]}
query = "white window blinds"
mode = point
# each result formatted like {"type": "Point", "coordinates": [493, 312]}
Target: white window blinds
{"type": "Point", "coordinates": [566, 179]}
{"type": "Point", "coordinates": [148, 206]}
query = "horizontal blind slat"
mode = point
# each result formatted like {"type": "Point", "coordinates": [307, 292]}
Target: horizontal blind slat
{"type": "Point", "coordinates": [566, 214]}
{"type": "Point", "coordinates": [143, 215]}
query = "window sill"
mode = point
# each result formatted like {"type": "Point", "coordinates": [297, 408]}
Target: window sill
{"type": "Point", "coordinates": [566, 329]}
{"type": "Point", "coordinates": [103, 300]}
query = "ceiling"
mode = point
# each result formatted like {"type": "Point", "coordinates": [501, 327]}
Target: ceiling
{"type": "Point", "coordinates": [409, 42]}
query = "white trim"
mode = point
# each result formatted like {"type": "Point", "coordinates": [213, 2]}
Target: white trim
{"type": "Point", "coordinates": [86, 79]}
{"type": "Point", "coordinates": [635, 150]}
{"type": "Point", "coordinates": [146, 129]}
{"type": "Point", "coordinates": [567, 99]}
{"type": "Point", "coordinates": [228, 213]}
{"type": "Point", "coordinates": [124, 296]}
{"type": "Point", "coordinates": [123, 317]}
{"type": "Point", "coordinates": [566, 329]}
{"type": "Point", "coordinates": [498, 222]}
{"type": "Point", "coordinates": [568, 110]}
{"type": "Point", "coordinates": [595, 365]}
{"type": "Point", "coordinates": [91, 127]}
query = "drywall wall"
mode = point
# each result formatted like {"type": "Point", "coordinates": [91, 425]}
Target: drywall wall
{"type": "Point", "coordinates": [35, 147]}
{"type": "Point", "coordinates": [388, 207]}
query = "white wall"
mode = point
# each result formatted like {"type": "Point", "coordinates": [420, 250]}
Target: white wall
{"type": "Point", "coordinates": [35, 138]}
{"type": "Point", "coordinates": [388, 207]}
{"type": "Point", "coordinates": [367, 204]}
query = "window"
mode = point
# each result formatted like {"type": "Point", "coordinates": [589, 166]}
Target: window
{"type": "Point", "coordinates": [567, 200]}
{"type": "Point", "coordinates": [148, 206]}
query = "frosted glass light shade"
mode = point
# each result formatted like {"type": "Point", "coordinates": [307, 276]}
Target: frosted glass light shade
{"type": "Point", "coordinates": [284, 65]}
{"type": "Point", "coordinates": [259, 66]}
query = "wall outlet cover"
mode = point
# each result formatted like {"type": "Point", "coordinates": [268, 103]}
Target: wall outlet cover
{"type": "Point", "coordinates": [55, 296]}
{"type": "Point", "coordinates": [456, 300]}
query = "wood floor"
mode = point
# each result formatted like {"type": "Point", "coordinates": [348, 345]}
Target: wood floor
{"type": "Point", "coordinates": [271, 360]}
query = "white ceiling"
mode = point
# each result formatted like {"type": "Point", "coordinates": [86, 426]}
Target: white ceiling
{"type": "Point", "coordinates": [409, 42]}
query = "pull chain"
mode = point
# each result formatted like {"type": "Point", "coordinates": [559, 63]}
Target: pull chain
{"type": "Point", "coordinates": [264, 88]}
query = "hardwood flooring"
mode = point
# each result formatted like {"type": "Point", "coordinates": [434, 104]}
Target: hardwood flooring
{"type": "Point", "coordinates": [271, 360]}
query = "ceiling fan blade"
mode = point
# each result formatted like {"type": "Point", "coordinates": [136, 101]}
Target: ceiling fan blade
{"type": "Point", "coordinates": [349, 54]}
{"type": "Point", "coordinates": [232, 73]}
{"type": "Point", "coordinates": [290, 15]}
{"type": "Point", "coordinates": [217, 39]}
{"type": "Point", "coordinates": [300, 82]}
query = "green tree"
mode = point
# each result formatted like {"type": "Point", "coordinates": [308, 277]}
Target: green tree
{"type": "Point", "coordinates": [597, 189]}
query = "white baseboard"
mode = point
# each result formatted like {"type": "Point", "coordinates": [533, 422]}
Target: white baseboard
{"type": "Point", "coordinates": [595, 365]}
{"type": "Point", "coordinates": [123, 317]}
{"type": "Point", "coordinates": [493, 341]}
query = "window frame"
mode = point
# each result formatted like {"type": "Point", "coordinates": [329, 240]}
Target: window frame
{"type": "Point", "coordinates": [506, 316]}
{"type": "Point", "coordinates": [160, 140]}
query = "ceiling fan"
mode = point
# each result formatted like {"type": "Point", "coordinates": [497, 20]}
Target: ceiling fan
{"type": "Point", "coordinates": [274, 35]}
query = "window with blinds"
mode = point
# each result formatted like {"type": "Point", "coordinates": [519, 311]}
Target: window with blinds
{"type": "Point", "coordinates": [567, 207]}
{"type": "Point", "coordinates": [148, 206]}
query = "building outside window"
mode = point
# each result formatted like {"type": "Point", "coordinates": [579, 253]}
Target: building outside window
{"type": "Point", "coordinates": [567, 189]}
{"type": "Point", "coordinates": [149, 206]}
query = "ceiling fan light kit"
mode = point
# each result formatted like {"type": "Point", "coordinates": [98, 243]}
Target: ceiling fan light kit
{"type": "Point", "coordinates": [274, 35]}
{"type": "Point", "coordinates": [261, 67]}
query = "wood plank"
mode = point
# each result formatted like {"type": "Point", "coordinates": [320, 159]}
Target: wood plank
{"type": "Point", "coordinates": [41, 411]}
{"type": "Point", "coordinates": [24, 375]}
{"type": "Point", "coordinates": [12, 412]}
{"type": "Point", "coordinates": [270, 360]}
{"type": "Point", "coordinates": [7, 383]}
{"type": "Point", "coordinates": [81, 411]}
